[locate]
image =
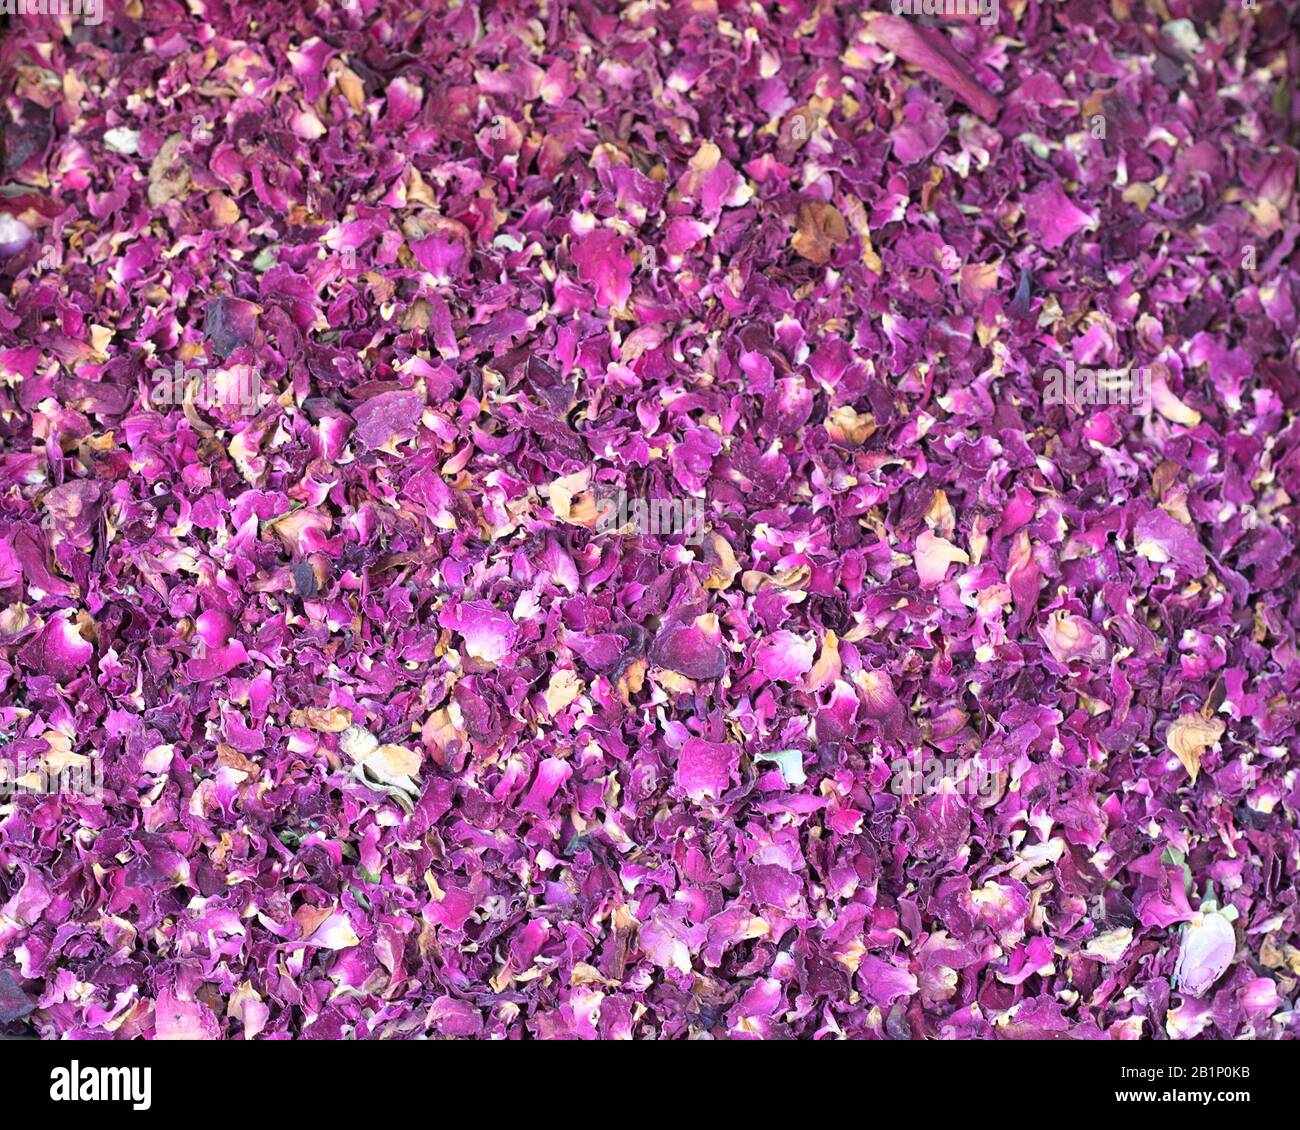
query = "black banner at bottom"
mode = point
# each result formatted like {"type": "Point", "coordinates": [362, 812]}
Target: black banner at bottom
{"type": "Point", "coordinates": [151, 1079]}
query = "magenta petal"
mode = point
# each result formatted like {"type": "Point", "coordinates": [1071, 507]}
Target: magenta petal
{"type": "Point", "coordinates": [705, 769]}
{"type": "Point", "coordinates": [59, 650]}
{"type": "Point", "coordinates": [217, 661]}
{"type": "Point", "coordinates": [1053, 218]}
{"type": "Point", "coordinates": [692, 650]}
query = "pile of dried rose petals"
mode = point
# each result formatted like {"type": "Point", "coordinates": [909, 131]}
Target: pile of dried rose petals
{"type": "Point", "coordinates": [550, 519]}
